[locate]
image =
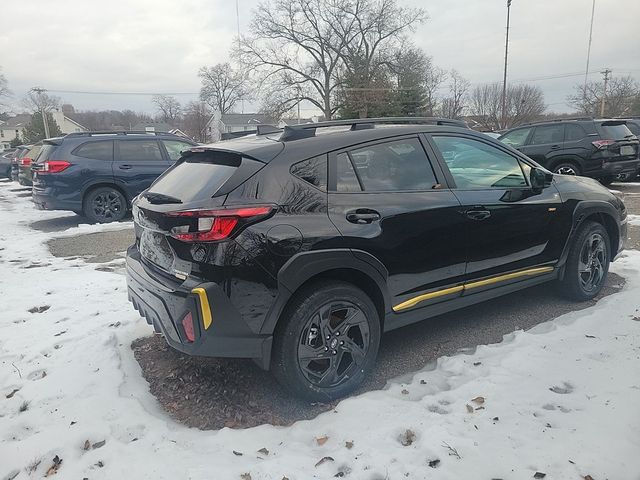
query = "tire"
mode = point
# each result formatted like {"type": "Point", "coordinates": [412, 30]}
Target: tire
{"type": "Point", "coordinates": [333, 309]}
{"type": "Point", "coordinates": [606, 181]}
{"type": "Point", "coordinates": [567, 168]}
{"type": "Point", "coordinates": [104, 205]}
{"type": "Point", "coordinates": [587, 263]}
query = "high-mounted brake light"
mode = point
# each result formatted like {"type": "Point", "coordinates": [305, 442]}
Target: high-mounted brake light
{"type": "Point", "coordinates": [602, 144]}
{"type": "Point", "coordinates": [54, 166]}
{"type": "Point", "coordinates": [216, 225]}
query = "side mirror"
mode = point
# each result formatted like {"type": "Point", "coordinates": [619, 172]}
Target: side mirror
{"type": "Point", "coordinates": [540, 179]}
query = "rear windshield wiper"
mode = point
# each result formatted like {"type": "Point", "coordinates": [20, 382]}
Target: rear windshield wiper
{"type": "Point", "coordinates": [160, 198]}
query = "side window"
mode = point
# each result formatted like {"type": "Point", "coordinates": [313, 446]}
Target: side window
{"type": "Point", "coordinates": [346, 175]}
{"type": "Point", "coordinates": [100, 150]}
{"type": "Point", "coordinates": [313, 171]}
{"type": "Point", "coordinates": [475, 164]}
{"type": "Point", "coordinates": [547, 134]}
{"type": "Point", "coordinates": [140, 150]}
{"type": "Point", "coordinates": [574, 132]}
{"type": "Point", "coordinates": [393, 166]}
{"type": "Point", "coordinates": [174, 147]}
{"type": "Point", "coordinates": [516, 138]}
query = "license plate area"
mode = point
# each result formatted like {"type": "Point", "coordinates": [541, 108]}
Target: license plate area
{"type": "Point", "coordinates": [627, 150]}
{"type": "Point", "coordinates": [155, 247]}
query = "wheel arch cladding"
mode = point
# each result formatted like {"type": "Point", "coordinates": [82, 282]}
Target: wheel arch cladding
{"type": "Point", "coordinates": [306, 268]}
{"type": "Point", "coordinates": [598, 211]}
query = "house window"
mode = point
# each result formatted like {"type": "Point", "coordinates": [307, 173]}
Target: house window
{"type": "Point", "coordinates": [2, 133]}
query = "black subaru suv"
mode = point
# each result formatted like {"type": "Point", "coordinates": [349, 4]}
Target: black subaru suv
{"type": "Point", "coordinates": [97, 174]}
{"type": "Point", "coordinates": [298, 247]}
{"type": "Point", "coordinates": [603, 149]}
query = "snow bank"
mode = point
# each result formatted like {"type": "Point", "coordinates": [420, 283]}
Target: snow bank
{"type": "Point", "coordinates": [561, 399]}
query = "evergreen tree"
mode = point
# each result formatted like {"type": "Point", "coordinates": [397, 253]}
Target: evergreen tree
{"type": "Point", "coordinates": [34, 131]}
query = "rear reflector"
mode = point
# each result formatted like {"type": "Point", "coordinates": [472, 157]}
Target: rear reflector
{"type": "Point", "coordinates": [216, 225]}
{"type": "Point", "coordinates": [54, 166]}
{"type": "Point", "coordinates": [187, 324]}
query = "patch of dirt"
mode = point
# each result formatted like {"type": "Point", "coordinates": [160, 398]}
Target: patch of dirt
{"type": "Point", "coordinates": [212, 393]}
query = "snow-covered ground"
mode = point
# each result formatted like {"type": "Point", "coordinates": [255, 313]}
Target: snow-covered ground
{"type": "Point", "coordinates": [562, 399]}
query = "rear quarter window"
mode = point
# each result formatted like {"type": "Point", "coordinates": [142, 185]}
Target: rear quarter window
{"type": "Point", "coordinates": [100, 150]}
{"type": "Point", "coordinates": [313, 171]}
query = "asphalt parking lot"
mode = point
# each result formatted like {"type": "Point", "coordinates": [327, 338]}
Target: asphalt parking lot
{"type": "Point", "coordinates": [212, 393]}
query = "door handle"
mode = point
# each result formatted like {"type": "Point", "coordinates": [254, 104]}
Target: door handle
{"type": "Point", "coordinates": [363, 216]}
{"type": "Point", "coordinates": [124, 167]}
{"type": "Point", "coordinates": [477, 214]}
{"type": "Point", "coordinates": [556, 147]}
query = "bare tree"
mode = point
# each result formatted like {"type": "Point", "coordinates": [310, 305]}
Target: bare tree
{"type": "Point", "coordinates": [4, 90]}
{"type": "Point", "coordinates": [454, 104]}
{"type": "Point", "coordinates": [293, 50]}
{"type": "Point", "coordinates": [222, 87]}
{"type": "Point", "coordinates": [370, 33]}
{"type": "Point", "coordinates": [434, 77]}
{"type": "Point", "coordinates": [38, 100]}
{"type": "Point", "coordinates": [620, 95]}
{"type": "Point", "coordinates": [196, 116]}
{"type": "Point", "coordinates": [168, 107]}
{"type": "Point", "coordinates": [525, 103]}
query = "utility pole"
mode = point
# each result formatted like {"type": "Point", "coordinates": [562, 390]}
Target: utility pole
{"type": "Point", "coordinates": [606, 73]}
{"type": "Point", "coordinates": [504, 81]}
{"type": "Point", "coordinates": [586, 70]}
{"type": "Point", "coordinates": [238, 26]}
{"type": "Point", "coordinates": [43, 111]}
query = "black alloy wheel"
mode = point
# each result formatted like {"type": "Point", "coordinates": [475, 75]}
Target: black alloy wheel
{"type": "Point", "coordinates": [326, 341]}
{"type": "Point", "coordinates": [105, 205]}
{"type": "Point", "coordinates": [592, 261]}
{"type": "Point", "coordinates": [587, 263]}
{"type": "Point", "coordinates": [334, 344]}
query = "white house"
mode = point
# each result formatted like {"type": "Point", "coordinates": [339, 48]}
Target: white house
{"type": "Point", "coordinates": [14, 126]}
{"type": "Point", "coordinates": [235, 123]}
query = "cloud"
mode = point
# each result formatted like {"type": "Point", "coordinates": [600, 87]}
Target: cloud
{"type": "Point", "coordinates": [158, 45]}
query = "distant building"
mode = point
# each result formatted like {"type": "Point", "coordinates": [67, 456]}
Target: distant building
{"type": "Point", "coordinates": [152, 126]}
{"type": "Point", "coordinates": [12, 128]}
{"type": "Point", "coordinates": [236, 123]}
{"type": "Point", "coordinates": [66, 124]}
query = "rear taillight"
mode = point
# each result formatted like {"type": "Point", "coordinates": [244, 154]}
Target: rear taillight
{"type": "Point", "coordinates": [187, 324]}
{"type": "Point", "coordinates": [216, 225]}
{"type": "Point", "coordinates": [54, 166]}
{"type": "Point", "coordinates": [602, 144]}
{"type": "Point", "coordinates": [25, 161]}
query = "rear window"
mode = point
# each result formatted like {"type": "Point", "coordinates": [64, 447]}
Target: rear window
{"type": "Point", "coordinates": [613, 131]}
{"type": "Point", "coordinates": [34, 152]}
{"type": "Point", "coordinates": [200, 175]}
{"type": "Point", "coordinates": [100, 150]}
{"type": "Point", "coordinates": [45, 153]}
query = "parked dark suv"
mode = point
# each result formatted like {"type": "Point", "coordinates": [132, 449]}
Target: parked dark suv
{"type": "Point", "coordinates": [602, 149]}
{"type": "Point", "coordinates": [97, 174]}
{"type": "Point", "coordinates": [298, 248]}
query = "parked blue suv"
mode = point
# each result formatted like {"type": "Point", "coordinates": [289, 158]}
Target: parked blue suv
{"type": "Point", "coordinates": [97, 174]}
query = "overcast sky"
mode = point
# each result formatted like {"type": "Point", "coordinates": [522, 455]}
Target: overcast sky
{"type": "Point", "coordinates": [157, 46]}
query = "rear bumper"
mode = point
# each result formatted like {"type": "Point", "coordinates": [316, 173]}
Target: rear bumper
{"type": "Point", "coordinates": [622, 167]}
{"type": "Point", "coordinates": [164, 303]}
{"type": "Point", "coordinates": [44, 200]}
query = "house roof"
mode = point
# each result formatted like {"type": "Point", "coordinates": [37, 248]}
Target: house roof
{"type": "Point", "coordinates": [19, 121]}
{"type": "Point", "coordinates": [243, 119]}
{"type": "Point", "coordinates": [157, 126]}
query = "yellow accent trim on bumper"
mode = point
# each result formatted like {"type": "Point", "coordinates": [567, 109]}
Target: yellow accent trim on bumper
{"type": "Point", "coordinates": [205, 309]}
{"type": "Point", "coordinates": [412, 302]}
{"type": "Point", "coordinates": [427, 296]}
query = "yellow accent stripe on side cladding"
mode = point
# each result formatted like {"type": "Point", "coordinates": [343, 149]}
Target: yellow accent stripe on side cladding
{"type": "Point", "coordinates": [412, 302]}
{"type": "Point", "coordinates": [205, 309]}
